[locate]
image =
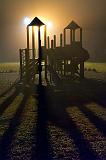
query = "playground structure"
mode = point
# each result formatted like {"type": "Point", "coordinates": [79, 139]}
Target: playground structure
{"type": "Point", "coordinates": [59, 62]}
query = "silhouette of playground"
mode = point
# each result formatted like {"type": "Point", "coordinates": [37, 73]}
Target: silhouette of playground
{"type": "Point", "coordinates": [60, 62]}
{"type": "Point", "coordinates": [63, 119]}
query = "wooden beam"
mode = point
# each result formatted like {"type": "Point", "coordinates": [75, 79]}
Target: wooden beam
{"type": "Point", "coordinates": [64, 37]}
{"type": "Point", "coordinates": [54, 41]}
{"type": "Point", "coordinates": [64, 67]}
{"type": "Point", "coordinates": [27, 37]}
{"type": "Point", "coordinates": [52, 44]}
{"type": "Point", "coordinates": [33, 43]}
{"type": "Point", "coordinates": [40, 58]}
{"type": "Point", "coordinates": [71, 37]}
{"type": "Point", "coordinates": [48, 42]}
{"type": "Point", "coordinates": [45, 45]}
{"type": "Point", "coordinates": [27, 66]}
{"type": "Point", "coordinates": [61, 39]}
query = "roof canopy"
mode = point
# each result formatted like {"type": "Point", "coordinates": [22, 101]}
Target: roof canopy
{"type": "Point", "coordinates": [36, 22]}
{"type": "Point", "coordinates": [72, 25]}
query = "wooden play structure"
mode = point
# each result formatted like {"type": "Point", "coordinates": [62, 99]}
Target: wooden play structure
{"type": "Point", "coordinates": [54, 62]}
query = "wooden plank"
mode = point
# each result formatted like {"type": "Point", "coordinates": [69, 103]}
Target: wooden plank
{"type": "Point", "coordinates": [52, 44]}
{"type": "Point", "coordinates": [64, 37]}
{"type": "Point", "coordinates": [27, 37]}
{"type": "Point", "coordinates": [45, 45]}
{"type": "Point", "coordinates": [54, 41]}
{"type": "Point", "coordinates": [61, 39]}
{"type": "Point", "coordinates": [48, 42]}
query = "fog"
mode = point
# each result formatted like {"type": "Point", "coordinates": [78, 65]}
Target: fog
{"type": "Point", "coordinates": [90, 15]}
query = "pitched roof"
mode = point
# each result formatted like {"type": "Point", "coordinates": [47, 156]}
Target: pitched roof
{"type": "Point", "coordinates": [36, 22]}
{"type": "Point", "coordinates": [72, 25]}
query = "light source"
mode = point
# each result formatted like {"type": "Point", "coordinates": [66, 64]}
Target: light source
{"type": "Point", "coordinates": [26, 20]}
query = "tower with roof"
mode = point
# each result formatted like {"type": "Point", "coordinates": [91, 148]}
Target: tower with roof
{"type": "Point", "coordinates": [59, 62]}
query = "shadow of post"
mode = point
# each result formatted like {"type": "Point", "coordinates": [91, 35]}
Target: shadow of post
{"type": "Point", "coordinates": [59, 117]}
{"type": "Point", "coordinates": [5, 143]}
{"type": "Point", "coordinates": [43, 148]}
{"type": "Point", "coordinates": [99, 123]}
{"type": "Point", "coordinates": [7, 102]}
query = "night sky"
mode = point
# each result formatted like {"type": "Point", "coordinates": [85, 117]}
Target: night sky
{"type": "Point", "coordinates": [89, 14]}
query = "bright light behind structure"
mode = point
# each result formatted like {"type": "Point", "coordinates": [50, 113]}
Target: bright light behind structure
{"type": "Point", "coordinates": [49, 25]}
{"type": "Point", "coordinates": [27, 21]}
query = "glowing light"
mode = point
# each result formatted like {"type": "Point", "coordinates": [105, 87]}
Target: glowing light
{"type": "Point", "coordinates": [27, 21]}
{"type": "Point", "coordinates": [49, 25]}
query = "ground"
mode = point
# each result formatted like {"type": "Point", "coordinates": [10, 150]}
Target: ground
{"type": "Point", "coordinates": [67, 123]}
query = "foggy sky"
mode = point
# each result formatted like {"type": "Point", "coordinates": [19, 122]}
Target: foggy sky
{"type": "Point", "coordinates": [89, 14]}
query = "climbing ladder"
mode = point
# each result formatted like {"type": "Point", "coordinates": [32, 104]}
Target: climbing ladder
{"type": "Point", "coordinates": [28, 67]}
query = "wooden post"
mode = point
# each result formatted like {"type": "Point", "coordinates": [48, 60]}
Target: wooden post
{"type": "Point", "coordinates": [46, 67]}
{"type": "Point", "coordinates": [45, 45]}
{"type": "Point", "coordinates": [82, 69]}
{"type": "Point", "coordinates": [64, 37]}
{"type": "Point", "coordinates": [40, 58]}
{"type": "Point", "coordinates": [64, 67]}
{"type": "Point", "coordinates": [61, 68]}
{"type": "Point", "coordinates": [27, 66]}
{"type": "Point", "coordinates": [61, 39]}
{"type": "Point", "coordinates": [45, 36]}
{"type": "Point", "coordinates": [52, 45]}
{"type": "Point", "coordinates": [28, 38]}
{"type": "Point", "coordinates": [67, 66]}
{"type": "Point", "coordinates": [48, 41]}
{"type": "Point", "coordinates": [33, 52]}
{"type": "Point", "coordinates": [33, 44]}
{"type": "Point", "coordinates": [54, 41]}
{"type": "Point", "coordinates": [27, 58]}
{"type": "Point", "coordinates": [50, 72]}
{"type": "Point", "coordinates": [21, 69]}
{"type": "Point", "coordinates": [71, 37]}
{"type": "Point", "coordinates": [81, 36]}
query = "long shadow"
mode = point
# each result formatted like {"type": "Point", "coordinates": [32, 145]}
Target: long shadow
{"type": "Point", "coordinates": [98, 122]}
{"type": "Point", "coordinates": [10, 88]}
{"type": "Point", "coordinates": [58, 115]}
{"type": "Point", "coordinates": [43, 150]}
{"type": "Point", "coordinates": [52, 107]}
{"type": "Point", "coordinates": [7, 138]}
{"type": "Point", "coordinates": [7, 102]}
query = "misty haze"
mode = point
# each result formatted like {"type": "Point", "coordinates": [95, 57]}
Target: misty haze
{"type": "Point", "coordinates": [52, 80]}
{"type": "Point", "coordinates": [89, 14]}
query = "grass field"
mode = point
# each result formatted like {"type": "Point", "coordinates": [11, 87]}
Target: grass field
{"type": "Point", "coordinates": [52, 124]}
{"type": "Point", "coordinates": [100, 67]}
{"type": "Point", "coordinates": [6, 67]}
{"type": "Point", "coordinates": [55, 125]}
{"type": "Point", "coordinates": [9, 72]}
